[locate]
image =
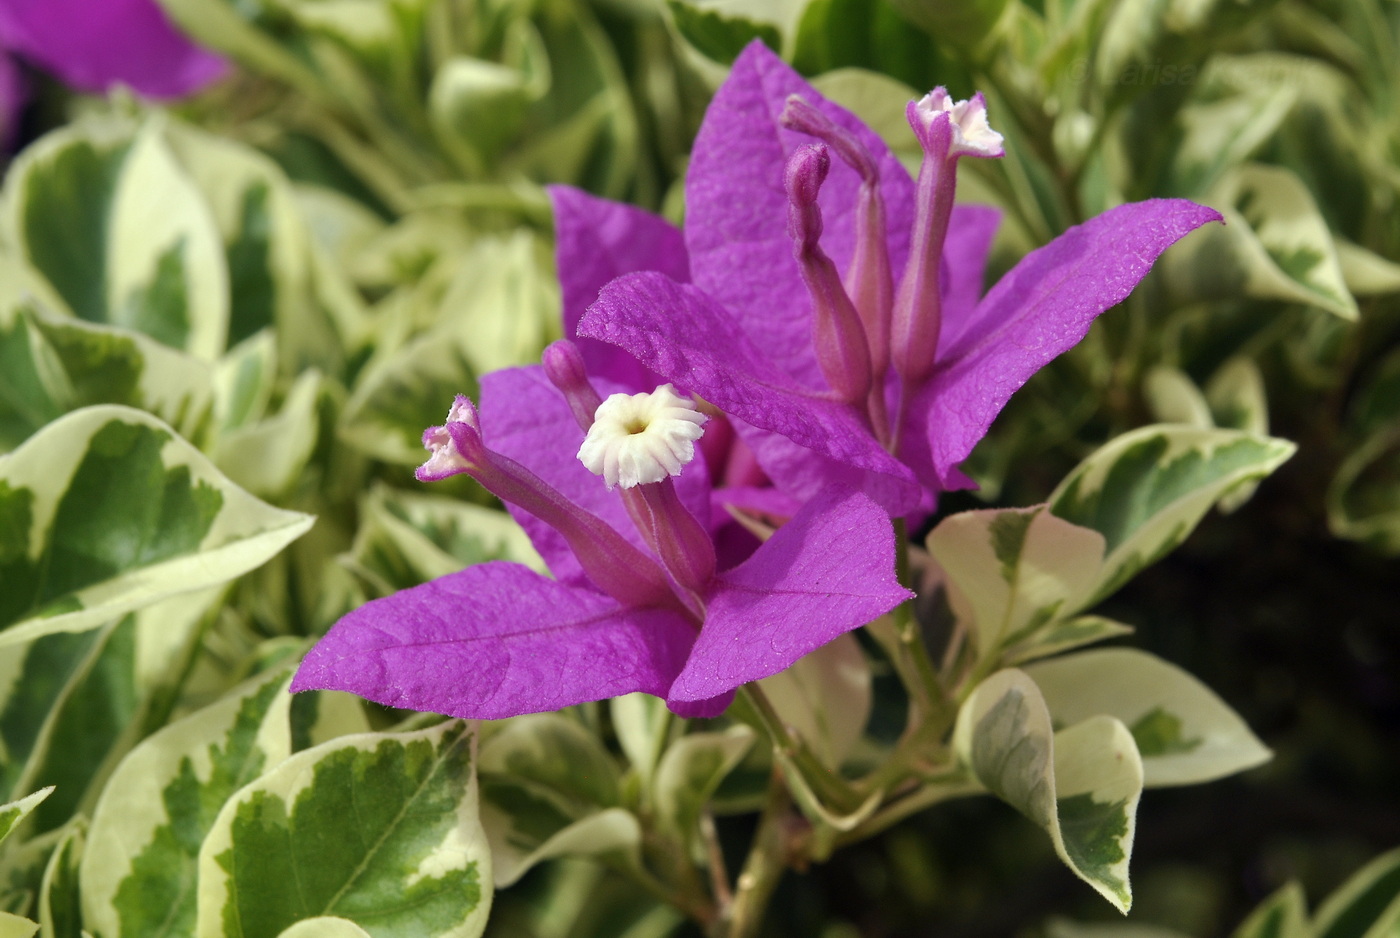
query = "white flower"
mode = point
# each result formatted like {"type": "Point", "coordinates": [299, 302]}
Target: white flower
{"type": "Point", "coordinates": [972, 135]}
{"type": "Point", "coordinates": [641, 438]}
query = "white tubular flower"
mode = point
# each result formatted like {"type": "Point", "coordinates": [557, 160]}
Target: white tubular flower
{"type": "Point", "coordinates": [641, 438]}
{"type": "Point", "coordinates": [972, 135]}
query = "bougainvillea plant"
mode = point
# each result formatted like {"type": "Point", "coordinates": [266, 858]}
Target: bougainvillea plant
{"type": "Point", "coordinates": [823, 316]}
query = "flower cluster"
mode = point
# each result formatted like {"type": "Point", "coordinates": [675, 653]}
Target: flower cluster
{"type": "Point", "coordinates": [828, 311]}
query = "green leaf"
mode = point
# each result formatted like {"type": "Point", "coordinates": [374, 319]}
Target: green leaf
{"type": "Point", "coordinates": [1065, 634]}
{"type": "Point", "coordinates": [825, 698]}
{"type": "Point", "coordinates": [720, 36]}
{"type": "Point", "coordinates": [139, 870]}
{"type": "Point", "coordinates": [1275, 245]}
{"type": "Point", "coordinates": [549, 789]}
{"type": "Point", "coordinates": [478, 107]}
{"type": "Point", "coordinates": [269, 457]}
{"type": "Point", "coordinates": [17, 926]}
{"type": "Point", "coordinates": [105, 213]}
{"type": "Point", "coordinates": [1283, 915]}
{"type": "Point", "coordinates": [1174, 398]}
{"type": "Point", "coordinates": [88, 730]}
{"type": "Point", "coordinates": [963, 23]}
{"type": "Point", "coordinates": [274, 273]}
{"type": "Point", "coordinates": [380, 829]}
{"type": "Point", "coordinates": [406, 539]}
{"type": "Point", "coordinates": [690, 771]}
{"type": "Point", "coordinates": [1367, 905]}
{"type": "Point", "coordinates": [1365, 272]}
{"type": "Point", "coordinates": [109, 511]}
{"type": "Point", "coordinates": [1081, 784]}
{"type": "Point", "coordinates": [1146, 490]}
{"type": "Point", "coordinates": [1363, 501]}
{"type": "Point", "coordinates": [55, 365]}
{"type": "Point", "coordinates": [324, 926]}
{"type": "Point", "coordinates": [1185, 733]}
{"type": "Point", "coordinates": [879, 101]}
{"type": "Point", "coordinates": [35, 679]}
{"type": "Point", "coordinates": [13, 813]}
{"type": "Point", "coordinates": [553, 752]}
{"type": "Point", "coordinates": [845, 36]}
{"type": "Point", "coordinates": [644, 726]}
{"type": "Point", "coordinates": [407, 392]}
{"type": "Point", "coordinates": [1015, 572]}
{"type": "Point", "coordinates": [59, 911]}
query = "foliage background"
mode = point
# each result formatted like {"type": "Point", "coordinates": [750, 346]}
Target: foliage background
{"type": "Point", "coordinates": [1285, 607]}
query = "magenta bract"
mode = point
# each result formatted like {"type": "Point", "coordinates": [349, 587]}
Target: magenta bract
{"type": "Point", "coordinates": [740, 333]}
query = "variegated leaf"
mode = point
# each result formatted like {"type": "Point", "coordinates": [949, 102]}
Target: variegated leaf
{"type": "Point", "coordinates": [1016, 571]}
{"type": "Point", "coordinates": [478, 107]}
{"type": "Point", "coordinates": [1146, 490]}
{"type": "Point", "coordinates": [324, 926]}
{"type": "Point", "coordinates": [1237, 398]}
{"type": "Point", "coordinates": [1283, 915]}
{"type": "Point", "coordinates": [1081, 784]}
{"type": "Point", "coordinates": [244, 380]}
{"type": "Point", "coordinates": [1184, 732]}
{"type": "Point", "coordinates": [102, 210]}
{"type": "Point", "coordinates": [825, 698]}
{"type": "Point", "coordinates": [1066, 634]}
{"type": "Point", "coordinates": [1275, 245]}
{"type": "Point", "coordinates": [1237, 402]}
{"type": "Point", "coordinates": [269, 457]}
{"type": "Point", "coordinates": [59, 912]}
{"type": "Point", "coordinates": [1174, 398]}
{"type": "Point", "coordinates": [139, 871]}
{"type": "Point", "coordinates": [55, 365]}
{"type": "Point", "coordinates": [504, 302]}
{"type": "Point", "coordinates": [644, 725]}
{"type": "Point", "coordinates": [275, 272]}
{"type": "Point", "coordinates": [1367, 905]}
{"type": "Point", "coordinates": [119, 512]}
{"type": "Point", "coordinates": [16, 811]}
{"type": "Point", "coordinates": [406, 538]}
{"type": "Point", "coordinates": [405, 392]}
{"type": "Point", "coordinates": [1367, 273]}
{"type": "Point", "coordinates": [549, 789]}
{"type": "Point", "coordinates": [691, 770]}
{"type": "Point", "coordinates": [36, 678]}
{"type": "Point", "coordinates": [1363, 500]}
{"type": "Point", "coordinates": [381, 829]}
{"type": "Point", "coordinates": [17, 926]}
{"type": "Point", "coordinates": [75, 743]}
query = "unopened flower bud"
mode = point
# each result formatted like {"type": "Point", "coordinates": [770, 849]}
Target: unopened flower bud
{"type": "Point", "coordinates": [565, 369]}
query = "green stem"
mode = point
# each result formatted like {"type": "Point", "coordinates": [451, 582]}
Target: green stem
{"type": "Point", "coordinates": [833, 790]}
{"type": "Point", "coordinates": [764, 867]}
{"type": "Point", "coordinates": [930, 793]}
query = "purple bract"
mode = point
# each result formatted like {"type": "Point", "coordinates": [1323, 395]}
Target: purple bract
{"type": "Point", "coordinates": [92, 45]}
{"type": "Point", "coordinates": [767, 339]}
{"type": "Point", "coordinates": [625, 611]}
